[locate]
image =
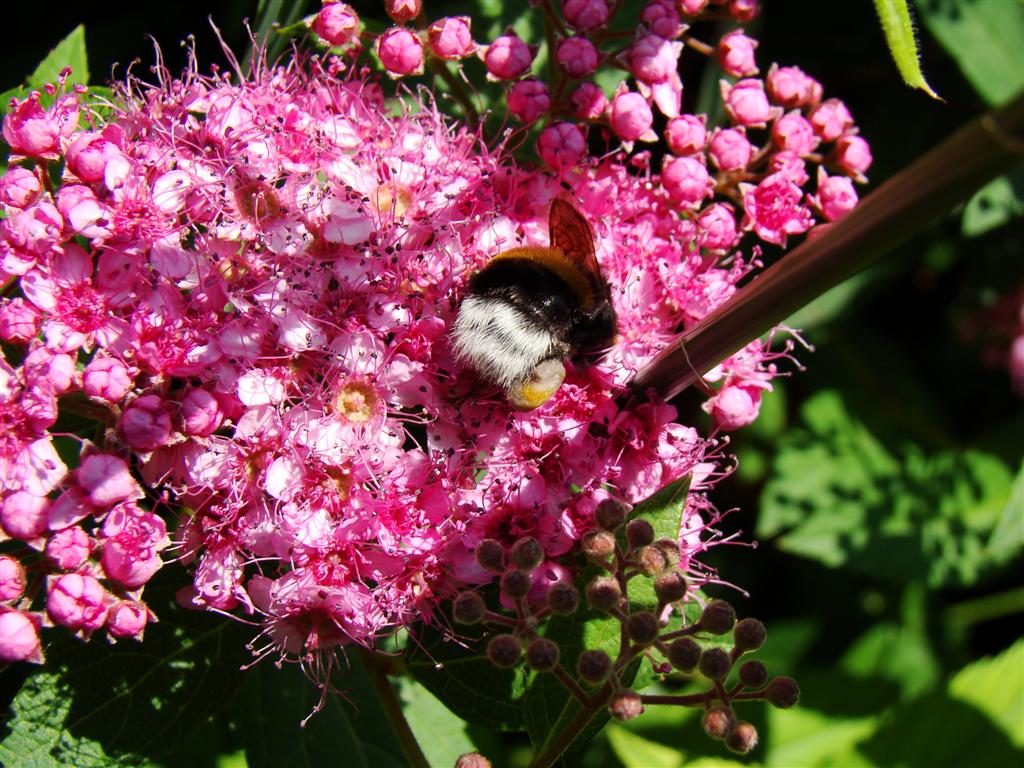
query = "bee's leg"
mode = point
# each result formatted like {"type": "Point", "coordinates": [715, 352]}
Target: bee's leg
{"type": "Point", "coordinates": [547, 377]}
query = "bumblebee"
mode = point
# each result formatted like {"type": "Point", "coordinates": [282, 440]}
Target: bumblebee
{"type": "Point", "coordinates": [532, 308]}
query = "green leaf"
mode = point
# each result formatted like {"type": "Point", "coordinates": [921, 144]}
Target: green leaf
{"type": "Point", "coordinates": [637, 752]}
{"type": "Point", "coordinates": [841, 496]}
{"type": "Point", "coordinates": [994, 205]}
{"type": "Point", "coordinates": [664, 510]}
{"type": "Point", "coordinates": [70, 52]}
{"type": "Point", "coordinates": [441, 734]}
{"type": "Point", "coordinates": [461, 676]}
{"type": "Point", "coordinates": [899, 35]}
{"type": "Point", "coordinates": [1007, 539]}
{"type": "Point", "coordinates": [351, 729]}
{"type": "Point", "coordinates": [93, 704]}
{"type": "Point", "coordinates": [985, 39]}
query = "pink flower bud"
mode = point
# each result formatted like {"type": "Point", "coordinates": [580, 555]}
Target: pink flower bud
{"type": "Point", "coordinates": [35, 230]}
{"type": "Point", "coordinates": [145, 424]}
{"type": "Point", "coordinates": [577, 56]}
{"type": "Point", "coordinates": [127, 619]}
{"type": "Point", "coordinates": [106, 480]}
{"type": "Point", "coordinates": [561, 145]}
{"type": "Point", "coordinates": [835, 197]}
{"type": "Point", "coordinates": [686, 180]}
{"type": "Point", "coordinates": [631, 117]}
{"type": "Point", "coordinates": [686, 134]}
{"type": "Point", "coordinates": [729, 149]}
{"type": "Point", "coordinates": [830, 119]}
{"type": "Point", "coordinates": [19, 187]}
{"type": "Point", "coordinates": [735, 405]}
{"type": "Point", "coordinates": [106, 378]}
{"type": "Point", "coordinates": [588, 101]}
{"type": "Point", "coordinates": [451, 39]}
{"type": "Point", "coordinates": [691, 7]}
{"type": "Point", "coordinates": [853, 155]}
{"type": "Point", "coordinates": [718, 224]}
{"type": "Point", "coordinates": [661, 19]}
{"type": "Point", "coordinates": [20, 638]}
{"type": "Point", "coordinates": [77, 601]}
{"type": "Point", "coordinates": [12, 579]}
{"type": "Point", "coordinates": [653, 59]}
{"type": "Point", "coordinates": [34, 132]}
{"type": "Point", "coordinates": [403, 10]}
{"type": "Point", "coordinates": [507, 58]}
{"type": "Point", "coordinates": [337, 23]}
{"type": "Point", "coordinates": [201, 413]}
{"type": "Point", "coordinates": [790, 166]}
{"type": "Point", "coordinates": [400, 51]}
{"type": "Point", "coordinates": [773, 209]}
{"type": "Point", "coordinates": [69, 548]}
{"type": "Point", "coordinates": [24, 516]}
{"type": "Point", "coordinates": [747, 103]}
{"type": "Point", "coordinates": [19, 320]}
{"type": "Point", "coordinates": [54, 370]}
{"type": "Point", "coordinates": [528, 100]}
{"type": "Point", "coordinates": [744, 10]}
{"type": "Point", "coordinates": [132, 544]}
{"type": "Point", "coordinates": [88, 155]}
{"type": "Point", "coordinates": [793, 133]}
{"type": "Point", "coordinates": [736, 54]}
{"type": "Point", "coordinates": [84, 213]}
{"type": "Point", "coordinates": [791, 87]}
{"type": "Point", "coordinates": [585, 15]}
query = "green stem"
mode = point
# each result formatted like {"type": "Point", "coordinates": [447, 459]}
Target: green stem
{"type": "Point", "coordinates": [377, 668]}
{"type": "Point", "coordinates": [986, 608]}
{"type": "Point", "coordinates": [948, 174]}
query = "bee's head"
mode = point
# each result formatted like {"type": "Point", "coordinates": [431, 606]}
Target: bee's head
{"type": "Point", "coordinates": [593, 331]}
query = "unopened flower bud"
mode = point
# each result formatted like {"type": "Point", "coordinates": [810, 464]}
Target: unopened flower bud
{"type": "Point", "coordinates": [472, 760]}
{"type": "Point", "coordinates": [853, 155]}
{"type": "Point", "coordinates": [507, 58]}
{"type": "Point", "coordinates": [450, 38]}
{"type": "Point", "coordinates": [68, 548]}
{"type": "Point", "coordinates": [670, 549]}
{"type": "Point", "coordinates": [588, 101]}
{"type": "Point", "coordinates": [748, 635]}
{"type": "Point", "coordinates": [630, 117]}
{"type": "Point", "coordinates": [12, 579]}
{"type": "Point", "coordinates": [683, 654]}
{"type": "Point", "coordinates": [642, 627]}
{"type": "Point", "coordinates": [21, 637]}
{"type": "Point", "coordinates": [77, 601]}
{"type": "Point", "coordinates": [604, 593]}
{"type": "Point", "coordinates": [127, 619]}
{"type": "Point", "coordinates": [651, 561]}
{"type": "Point", "coordinates": [468, 608]}
{"type": "Point", "coordinates": [562, 598]}
{"type": "Point", "coordinates": [594, 666]}
{"type": "Point", "coordinates": [542, 654]}
{"type": "Point", "coordinates": [610, 514]}
{"type": "Point", "coordinates": [526, 554]}
{"type": "Point", "coordinates": [718, 617]}
{"type": "Point", "coordinates": [528, 100]}
{"type": "Point", "coordinates": [561, 145]}
{"type": "Point", "coordinates": [515, 584]}
{"type": "Point", "coordinates": [400, 52]}
{"type": "Point", "coordinates": [625, 705]}
{"type": "Point", "coordinates": [504, 651]}
{"type": "Point", "coordinates": [670, 587]}
{"type": "Point", "coordinates": [686, 134]}
{"type": "Point", "coordinates": [742, 738]}
{"type": "Point", "coordinates": [403, 10]}
{"type": "Point", "coordinates": [490, 555]}
{"type": "Point", "coordinates": [585, 15]}
{"type": "Point", "coordinates": [106, 378]}
{"type": "Point", "coordinates": [717, 722]}
{"type": "Point", "coordinates": [577, 56]}
{"type": "Point", "coordinates": [753, 674]}
{"type": "Point", "coordinates": [598, 545]}
{"type": "Point", "coordinates": [782, 692]}
{"type": "Point", "coordinates": [639, 533]}
{"type": "Point", "coordinates": [145, 423]}
{"type": "Point", "coordinates": [687, 181]}
{"type": "Point", "coordinates": [337, 23]}
{"type": "Point", "coordinates": [715, 664]}
{"type": "Point", "coordinates": [736, 54]}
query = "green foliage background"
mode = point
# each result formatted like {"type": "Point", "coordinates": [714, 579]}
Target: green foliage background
{"type": "Point", "coordinates": [885, 485]}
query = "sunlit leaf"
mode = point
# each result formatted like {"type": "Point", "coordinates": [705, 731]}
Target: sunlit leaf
{"type": "Point", "coordinates": [899, 35]}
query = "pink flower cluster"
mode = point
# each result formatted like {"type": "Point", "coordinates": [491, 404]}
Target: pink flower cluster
{"type": "Point", "coordinates": [248, 285]}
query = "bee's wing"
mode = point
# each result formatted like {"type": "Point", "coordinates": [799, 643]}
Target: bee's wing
{"type": "Point", "coordinates": [571, 233]}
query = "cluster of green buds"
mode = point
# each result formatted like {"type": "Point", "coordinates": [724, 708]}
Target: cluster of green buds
{"type": "Point", "coordinates": [634, 578]}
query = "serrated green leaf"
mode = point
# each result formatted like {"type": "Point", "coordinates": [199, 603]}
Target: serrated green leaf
{"type": "Point", "coordinates": [637, 752]}
{"type": "Point", "coordinates": [441, 734]}
{"type": "Point", "coordinates": [70, 52]}
{"type": "Point", "coordinates": [351, 729]}
{"type": "Point", "coordinates": [994, 205]}
{"type": "Point", "coordinates": [995, 686]}
{"type": "Point", "coordinates": [898, 27]}
{"type": "Point", "coordinates": [664, 510]}
{"type": "Point", "coordinates": [93, 704]}
{"type": "Point", "coordinates": [985, 38]}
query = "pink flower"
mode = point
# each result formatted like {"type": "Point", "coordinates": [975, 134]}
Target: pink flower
{"type": "Point", "coordinates": [718, 225]}
{"type": "Point", "coordinates": [89, 154]}
{"type": "Point", "coordinates": [131, 545]}
{"type": "Point", "coordinates": [773, 210]}
{"type": "Point", "coordinates": [201, 413]}
{"type": "Point", "coordinates": [106, 480]}
{"type": "Point", "coordinates": [403, 10]}
{"type": "Point", "coordinates": [561, 145]}
{"type": "Point", "coordinates": [735, 54]}
{"type": "Point", "coordinates": [631, 117]}
{"type": "Point", "coordinates": [145, 424]}
{"type": "Point", "coordinates": [34, 132]}
{"type": "Point", "coordinates": [830, 119]}
{"type": "Point", "coordinates": [588, 101]}
{"type": "Point", "coordinates": [853, 155]}
{"type": "Point", "coordinates": [451, 39]}
{"type": "Point", "coordinates": [791, 87]}
{"type": "Point", "coordinates": [793, 133]}
{"type": "Point", "coordinates": [24, 516]}
{"type": "Point", "coordinates": [528, 100]}
{"type": "Point", "coordinates": [19, 320]}
{"type": "Point", "coordinates": [729, 149]}
{"type": "Point", "coordinates": [686, 180]}
{"type": "Point", "coordinates": [77, 601]}
{"type": "Point", "coordinates": [48, 369]}
{"type": "Point", "coordinates": [744, 10]}
{"type": "Point", "coordinates": [106, 378]}
{"type": "Point", "coordinates": [835, 197]}
{"type": "Point", "coordinates": [127, 619]}
{"type": "Point", "coordinates": [337, 23]}
{"type": "Point", "coordinates": [21, 637]}
{"type": "Point", "coordinates": [69, 548]}
{"type": "Point", "coordinates": [577, 56]}
{"type": "Point", "coordinates": [686, 134]}
{"type": "Point", "coordinates": [19, 187]}
{"type": "Point", "coordinates": [585, 15]}
{"type": "Point", "coordinates": [790, 166]}
{"type": "Point", "coordinates": [735, 405]}
{"type": "Point", "coordinates": [12, 579]}
{"type": "Point", "coordinates": [400, 52]}
{"type": "Point", "coordinates": [507, 58]}
{"type": "Point", "coordinates": [747, 103]}
{"type": "Point", "coordinates": [661, 18]}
